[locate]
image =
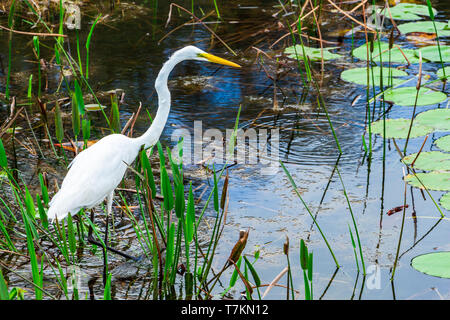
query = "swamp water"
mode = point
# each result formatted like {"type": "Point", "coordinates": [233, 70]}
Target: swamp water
{"type": "Point", "coordinates": [125, 54]}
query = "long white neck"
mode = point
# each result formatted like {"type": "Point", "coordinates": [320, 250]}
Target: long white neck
{"type": "Point", "coordinates": [151, 136]}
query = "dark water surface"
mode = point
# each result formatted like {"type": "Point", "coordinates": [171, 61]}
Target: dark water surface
{"type": "Point", "coordinates": [125, 54]}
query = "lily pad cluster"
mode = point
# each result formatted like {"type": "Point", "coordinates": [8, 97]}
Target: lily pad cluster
{"type": "Point", "coordinates": [313, 54]}
{"type": "Point", "coordinates": [437, 163]}
{"type": "Point", "coordinates": [423, 124]}
{"type": "Point", "coordinates": [434, 164]}
{"type": "Point", "coordinates": [382, 73]}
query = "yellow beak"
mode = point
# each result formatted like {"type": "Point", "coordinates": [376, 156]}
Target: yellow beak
{"type": "Point", "coordinates": [215, 59]}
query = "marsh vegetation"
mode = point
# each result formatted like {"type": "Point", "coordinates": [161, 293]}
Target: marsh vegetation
{"type": "Point", "coordinates": [354, 208]}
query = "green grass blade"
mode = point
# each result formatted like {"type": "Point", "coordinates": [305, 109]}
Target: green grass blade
{"type": "Point", "coordinates": [4, 294]}
{"type": "Point", "coordinates": [58, 123]}
{"type": "Point", "coordinates": [3, 159]}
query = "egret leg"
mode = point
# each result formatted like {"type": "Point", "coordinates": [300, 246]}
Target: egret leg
{"type": "Point", "coordinates": [91, 240]}
{"type": "Point", "coordinates": [109, 201]}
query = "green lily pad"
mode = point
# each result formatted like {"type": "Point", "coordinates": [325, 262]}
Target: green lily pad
{"type": "Point", "coordinates": [434, 180]}
{"type": "Point", "coordinates": [438, 119]}
{"type": "Point", "coordinates": [383, 47]}
{"type": "Point", "coordinates": [443, 143]}
{"type": "Point", "coordinates": [407, 11]}
{"type": "Point", "coordinates": [359, 75]}
{"type": "Point", "coordinates": [440, 72]}
{"type": "Point", "coordinates": [406, 96]}
{"type": "Point", "coordinates": [398, 128]}
{"type": "Point", "coordinates": [426, 27]}
{"type": "Point", "coordinates": [314, 54]}
{"type": "Point", "coordinates": [432, 53]}
{"type": "Point", "coordinates": [445, 201]}
{"type": "Point", "coordinates": [429, 161]}
{"type": "Point", "coordinates": [435, 264]}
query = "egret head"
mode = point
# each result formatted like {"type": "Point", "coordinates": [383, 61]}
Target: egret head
{"type": "Point", "coordinates": [194, 53]}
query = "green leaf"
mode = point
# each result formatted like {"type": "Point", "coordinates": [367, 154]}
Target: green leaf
{"type": "Point", "coordinates": [177, 173]}
{"type": "Point", "coordinates": [406, 96]}
{"type": "Point", "coordinates": [216, 192]}
{"type": "Point", "coordinates": [190, 216]}
{"type": "Point", "coordinates": [145, 163]}
{"type": "Point", "coordinates": [307, 288]}
{"type": "Point", "coordinates": [396, 55]}
{"type": "Point", "coordinates": [33, 260]}
{"type": "Point", "coordinates": [180, 203]}
{"type": "Point", "coordinates": [429, 161]}
{"type": "Point", "coordinates": [71, 234]}
{"type": "Point", "coordinates": [430, 10]}
{"type": "Point", "coordinates": [253, 272]}
{"type": "Point", "coordinates": [234, 276]}
{"type": "Point", "coordinates": [42, 213]}
{"type": "Point", "coordinates": [88, 39]}
{"type": "Point", "coordinates": [36, 45]}
{"type": "Point", "coordinates": [86, 129]}
{"type": "Point", "coordinates": [435, 264]}
{"type": "Point", "coordinates": [398, 128]}
{"type": "Point", "coordinates": [439, 181]}
{"type": "Point", "coordinates": [359, 76]}
{"type": "Point", "coordinates": [115, 115]}
{"type": "Point", "coordinates": [29, 204]}
{"type": "Point", "coordinates": [44, 190]}
{"type": "Point", "coordinates": [58, 124]}
{"type": "Point", "coordinates": [313, 54]}
{"type": "Point", "coordinates": [30, 86]}
{"type": "Point", "coordinates": [162, 159]}
{"type": "Point", "coordinates": [424, 27]}
{"type": "Point", "coordinates": [443, 143]}
{"type": "Point", "coordinates": [432, 53]}
{"type": "Point", "coordinates": [79, 98]}
{"type": "Point", "coordinates": [438, 119]}
{"type": "Point", "coordinates": [4, 295]}
{"type": "Point", "coordinates": [12, 9]}
{"type": "Point", "coordinates": [170, 248]}
{"type": "Point", "coordinates": [3, 160]}
{"type": "Point", "coordinates": [445, 201]}
{"type": "Point", "coordinates": [166, 189]}
{"type": "Point", "coordinates": [6, 236]}
{"type": "Point", "coordinates": [440, 72]}
{"type": "Point", "coordinates": [310, 266]}
{"type": "Point", "coordinates": [303, 255]}
{"type": "Point", "coordinates": [75, 117]}
{"type": "Point", "coordinates": [107, 290]}
{"type": "Point", "coordinates": [407, 11]}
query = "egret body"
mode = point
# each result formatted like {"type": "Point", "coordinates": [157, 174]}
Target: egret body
{"type": "Point", "coordinates": [95, 172]}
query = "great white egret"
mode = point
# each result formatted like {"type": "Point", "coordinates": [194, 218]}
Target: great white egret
{"type": "Point", "coordinates": [95, 172]}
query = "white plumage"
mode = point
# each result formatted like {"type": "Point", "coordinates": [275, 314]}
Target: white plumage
{"type": "Point", "coordinates": [93, 175]}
